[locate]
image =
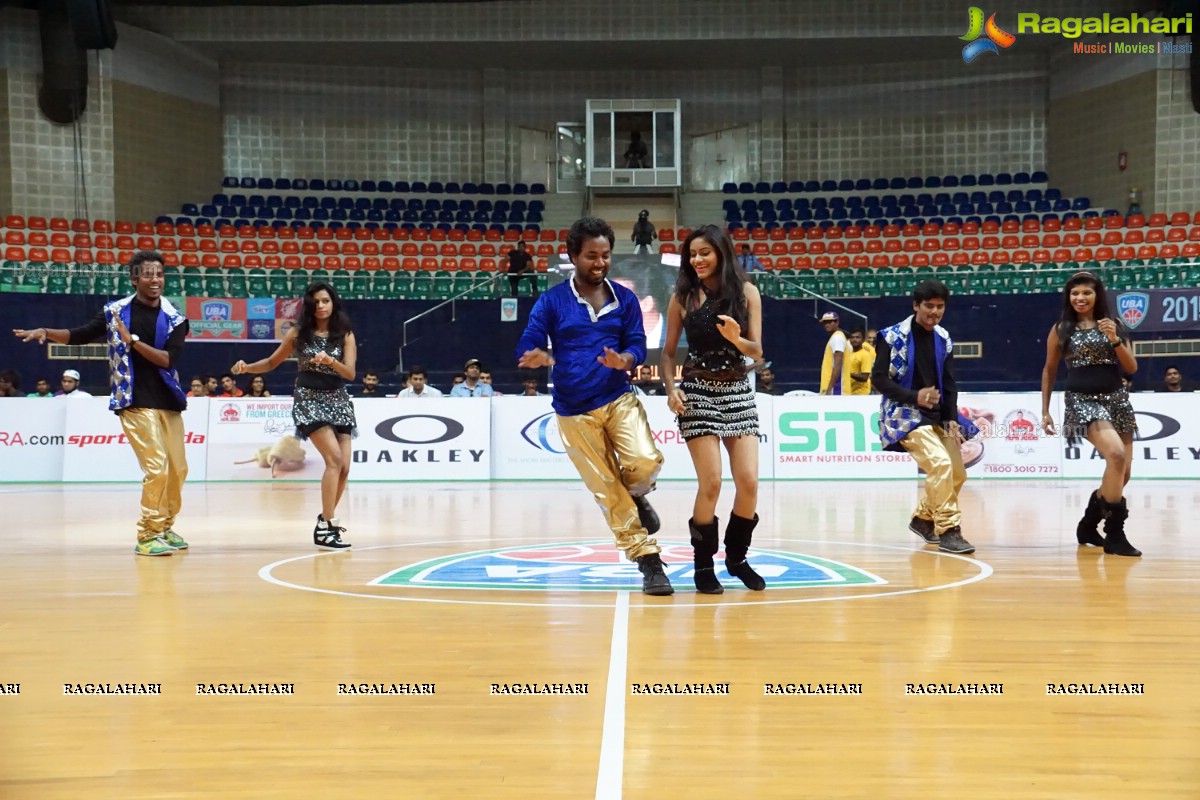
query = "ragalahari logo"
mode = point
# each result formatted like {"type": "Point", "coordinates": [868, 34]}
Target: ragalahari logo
{"type": "Point", "coordinates": [996, 37]}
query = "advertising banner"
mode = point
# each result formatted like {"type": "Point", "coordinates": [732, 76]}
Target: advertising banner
{"type": "Point", "coordinates": [223, 319]}
{"type": "Point", "coordinates": [1160, 309]}
{"type": "Point", "coordinates": [1011, 443]}
{"type": "Point", "coordinates": [32, 438]}
{"type": "Point", "coordinates": [1167, 443]}
{"type": "Point", "coordinates": [97, 450]}
{"type": "Point", "coordinates": [830, 438]}
{"type": "Point", "coordinates": [440, 439]}
{"type": "Point", "coordinates": [527, 446]}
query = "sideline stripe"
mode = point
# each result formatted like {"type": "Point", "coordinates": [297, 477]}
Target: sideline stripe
{"type": "Point", "coordinates": [612, 741]}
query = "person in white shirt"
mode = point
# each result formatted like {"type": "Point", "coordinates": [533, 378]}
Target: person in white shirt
{"type": "Point", "coordinates": [418, 385]}
{"type": "Point", "coordinates": [70, 385]}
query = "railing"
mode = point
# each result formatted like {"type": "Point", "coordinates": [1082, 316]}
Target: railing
{"type": "Point", "coordinates": [815, 298]}
{"type": "Point", "coordinates": [450, 301]}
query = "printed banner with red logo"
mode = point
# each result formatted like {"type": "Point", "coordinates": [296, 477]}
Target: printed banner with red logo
{"type": "Point", "coordinates": [95, 447]}
{"type": "Point", "coordinates": [223, 319]}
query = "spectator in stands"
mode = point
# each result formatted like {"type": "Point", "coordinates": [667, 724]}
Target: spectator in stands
{"type": "Point", "coordinates": [1097, 349]}
{"type": "Point", "coordinates": [1173, 381]}
{"type": "Point", "coordinates": [835, 369]}
{"type": "Point", "coordinates": [646, 381]}
{"type": "Point", "coordinates": [644, 233]}
{"type": "Point", "coordinates": [870, 338]}
{"type": "Point", "coordinates": [198, 387]}
{"type": "Point", "coordinates": [597, 335]}
{"type": "Point", "coordinates": [860, 360]}
{"type": "Point", "coordinates": [70, 385]}
{"type": "Point", "coordinates": [471, 385]}
{"type": "Point", "coordinates": [324, 345]}
{"type": "Point", "coordinates": [370, 387]}
{"type": "Point", "coordinates": [10, 383]}
{"type": "Point", "coordinates": [529, 386]}
{"type": "Point", "coordinates": [914, 371]}
{"type": "Point", "coordinates": [42, 388]}
{"type": "Point", "coordinates": [145, 335]}
{"type": "Point", "coordinates": [212, 385]}
{"type": "Point", "coordinates": [749, 262]}
{"type": "Point", "coordinates": [257, 387]}
{"type": "Point", "coordinates": [720, 310]}
{"type": "Point", "coordinates": [766, 380]}
{"type": "Point", "coordinates": [457, 379]}
{"type": "Point", "coordinates": [418, 385]}
{"type": "Point", "coordinates": [486, 377]}
{"type": "Point", "coordinates": [229, 387]}
{"type": "Point", "coordinates": [636, 154]}
{"type": "Point", "coordinates": [520, 266]}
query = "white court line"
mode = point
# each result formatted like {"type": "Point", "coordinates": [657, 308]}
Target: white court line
{"type": "Point", "coordinates": [612, 741]}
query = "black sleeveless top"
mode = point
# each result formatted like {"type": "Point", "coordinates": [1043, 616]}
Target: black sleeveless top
{"type": "Point", "coordinates": [711, 355]}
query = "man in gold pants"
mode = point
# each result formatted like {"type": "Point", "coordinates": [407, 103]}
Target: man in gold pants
{"type": "Point", "coordinates": [145, 335]}
{"type": "Point", "coordinates": [919, 412]}
{"type": "Point", "coordinates": [596, 334]}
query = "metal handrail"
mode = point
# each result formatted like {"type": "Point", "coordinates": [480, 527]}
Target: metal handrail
{"type": "Point", "coordinates": [451, 301]}
{"type": "Point", "coordinates": [815, 298]}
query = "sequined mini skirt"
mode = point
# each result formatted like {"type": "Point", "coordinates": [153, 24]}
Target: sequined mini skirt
{"type": "Point", "coordinates": [718, 408]}
{"type": "Point", "coordinates": [1084, 409]}
{"type": "Point", "coordinates": [313, 409]}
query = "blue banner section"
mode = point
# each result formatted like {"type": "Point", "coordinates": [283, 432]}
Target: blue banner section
{"type": "Point", "coordinates": [1160, 309]}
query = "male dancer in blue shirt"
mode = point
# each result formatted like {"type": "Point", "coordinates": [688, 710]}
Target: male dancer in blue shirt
{"type": "Point", "coordinates": [596, 337]}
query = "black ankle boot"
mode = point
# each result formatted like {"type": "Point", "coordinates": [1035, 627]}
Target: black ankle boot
{"type": "Point", "coordinates": [1115, 542]}
{"type": "Point", "coordinates": [654, 579]}
{"type": "Point", "coordinates": [1085, 531]}
{"type": "Point", "coordinates": [738, 534]}
{"type": "Point", "coordinates": [704, 547]}
{"type": "Point", "coordinates": [328, 537]}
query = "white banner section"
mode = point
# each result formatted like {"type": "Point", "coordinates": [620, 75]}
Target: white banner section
{"type": "Point", "coordinates": [97, 450]}
{"type": "Point", "coordinates": [32, 439]}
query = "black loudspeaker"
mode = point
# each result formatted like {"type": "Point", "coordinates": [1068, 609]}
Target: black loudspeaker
{"type": "Point", "coordinates": [93, 24]}
{"type": "Point", "coordinates": [62, 96]}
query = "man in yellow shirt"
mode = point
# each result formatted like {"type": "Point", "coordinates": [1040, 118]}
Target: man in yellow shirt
{"type": "Point", "coordinates": [835, 362]}
{"type": "Point", "coordinates": [860, 358]}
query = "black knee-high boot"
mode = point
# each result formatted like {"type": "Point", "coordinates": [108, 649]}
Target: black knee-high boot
{"type": "Point", "coordinates": [704, 547]}
{"type": "Point", "coordinates": [738, 534]}
{"type": "Point", "coordinates": [1085, 531]}
{"type": "Point", "coordinates": [1115, 542]}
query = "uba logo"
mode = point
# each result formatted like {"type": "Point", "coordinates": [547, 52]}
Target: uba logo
{"type": "Point", "coordinates": [995, 37]}
{"type": "Point", "coordinates": [542, 433]}
{"type": "Point", "coordinates": [1132, 306]}
{"type": "Point", "coordinates": [217, 310]}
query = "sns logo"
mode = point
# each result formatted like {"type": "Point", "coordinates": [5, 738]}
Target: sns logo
{"type": "Point", "coordinates": [808, 427]}
{"type": "Point", "coordinates": [1132, 307]}
{"type": "Point", "coordinates": [996, 37]}
{"type": "Point", "coordinates": [542, 433]}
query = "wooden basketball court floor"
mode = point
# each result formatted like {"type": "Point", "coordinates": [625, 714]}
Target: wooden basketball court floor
{"type": "Point", "coordinates": [254, 604]}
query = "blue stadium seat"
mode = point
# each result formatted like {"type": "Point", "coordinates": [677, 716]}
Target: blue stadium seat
{"type": "Point", "coordinates": [291, 201]}
{"type": "Point", "coordinates": [1004, 179]}
{"type": "Point", "coordinates": [898, 183]}
{"type": "Point", "coordinates": [778, 187]}
{"type": "Point", "coordinates": [1042, 206]}
{"type": "Point", "coordinates": [1038, 177]}
{"type": "Point", "coordinates": [317, 185]}
{"type": "Point", "coordinates": [208, 211]}
{"type": "Point", "coordinates": [333, 185]}
{"type": "Point", "coordinates": [987, 179]}
{"type": "Point", "coordinates": [915, 182]}
{"type": "Point", "coordinates": [346, 203]}
{"type": "Point", "coordinates": [1081, 204]}
{"type": "Point", "coordinates": [470, 188]}
{"type": "Point", "coordinates": [812, 186]}
{"type": "Point", "coordinates": [300, 184]}
{"type": "Point", "coordinates": [247, 183]}
{"type": "Point", "coordinates": [745, 188]}
{"type": "Point", "coordinates": [487, 188]}
{"type": "Point", "coordinates": [283, 184]}
{"type": "Point", "coordinates": [274, 201]}
{"type": "Point", "coordinates": [302, 213]}
{"type": "Point", "coordinates": [190, 209]}
{"type": "Point", "coordinates": [265, 183]}
{"type": "Point", "coordinates": [341, 214]}
{"type": "Point", "coordinates": [828, 186]}
{"type": "Point", "coordinates": [729, 188]}
{"type": "Point", "coordinates": [1022, 207]}
{"type": "Point", "coordinates": [796, 187]}
{"type": "Point", "coordinates": [420, 187]}
{"type": "Point", "coordinates": [1004, 207]}
{"type": "Point", "coordinates": [349, 185]}
{"type": "Point", "coordinates": [862, 185]}
{"type": "Point", "coordinates": [949, 181]}
{"type": "Point", "coordinates": [854, 202]}
{"type": "Point", "coordinates": [984, 208]}
{"type": "Point", "coordinates": [1062, 204]}
{"type": "Point", "coordinates": [1111, 212]}
{"type": "Point", "coordinates": [520, 188]}
{"type": "Point", "coordinates": [729, 204]}
{"type": "Point", "coordinates": [387, 186]}
{"type": "Point", "coordinates": [319, 214]}
{"type": "Point", "coordinates": [845, 185]}
{"type": "Point", "coordinates": [363, 203]}
{"type": "Point", "coordinates": [924, 199]}
{"type": "Point", "coordinates": [762, 187]}
{"type": "Point", "coordinates": [436, 187]}
{"type": "Point", "coordinates": [880, 184]}
{"type": "Point", "coordinates": [370, 186]}
{"type": "Point", "coordinates": [402, 187]}
{"type": "Point", "coordinates": [1053, 194]}
{"type": "Point", "coordinates": [933, 182]}
{"type": "Point", "coordinates": [283, 213]}
{"type": "Point", "coordinates": [818, 203]}
{"type": "Point", "coordinates": [1021, 178]}
{"type": "Point", "coordinates": [230, 182]}
{"type": "Point", "coordinates": [967, 180]}
{"type": "Point", "coordinates": [504, 188]}
{"type": "Point", "coordinates": [537, 188]}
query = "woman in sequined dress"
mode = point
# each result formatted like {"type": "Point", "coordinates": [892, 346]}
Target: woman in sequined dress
{"type": "Point", "coordinates": [324, 345]}
{"type": "Point", "coordinates": [721, 312]}
{"type": "Point", "coordinates": [1098, 350]}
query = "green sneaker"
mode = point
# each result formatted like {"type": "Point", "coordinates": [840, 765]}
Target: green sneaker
{"type": "Point", "coordinates": [175, 540]}
{"type": "Point", "coordinates": [153, 547]}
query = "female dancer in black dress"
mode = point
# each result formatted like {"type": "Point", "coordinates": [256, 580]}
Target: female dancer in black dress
{"type": "Point", "coordinates": [1097, 348]}
{"type": "Point", "coordinates": [324, 345]}
{"type": "Point", "coordinates": [721, 311]}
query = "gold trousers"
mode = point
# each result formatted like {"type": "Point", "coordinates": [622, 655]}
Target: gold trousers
{"type": "Point", "coordinates": [940, 457]}
{"type": "Point", "coordinates": [157, 439]}
{"type": "Point", "coordinates": [613, 450]}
